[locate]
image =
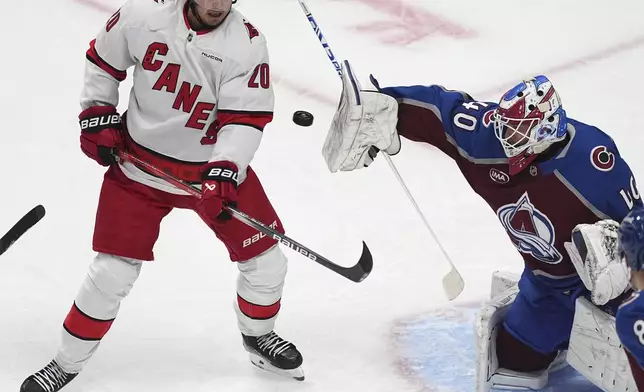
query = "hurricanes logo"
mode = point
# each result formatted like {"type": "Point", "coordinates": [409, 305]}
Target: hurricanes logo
{"type": "Point", "coordinates": [252, 31]}
{"type": "Point", "coordinates": [530, 230]}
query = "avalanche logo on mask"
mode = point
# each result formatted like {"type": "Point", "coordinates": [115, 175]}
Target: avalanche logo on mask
{"type": "Point", "coordinates": [530, 230]}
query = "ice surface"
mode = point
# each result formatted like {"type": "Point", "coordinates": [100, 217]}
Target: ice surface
{"type": "Point", "coordinates": [177, 330]}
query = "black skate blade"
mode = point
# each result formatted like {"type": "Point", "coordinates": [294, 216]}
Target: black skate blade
{"type": "Point", "coordinates": [259, 362]}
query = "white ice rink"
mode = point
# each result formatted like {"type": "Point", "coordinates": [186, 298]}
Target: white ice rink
{"type": "Point", "coordinates": [177, 330]}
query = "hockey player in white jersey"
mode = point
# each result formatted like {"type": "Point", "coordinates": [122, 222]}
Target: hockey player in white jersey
{"type": "Point", "coordinates": [200, 100]}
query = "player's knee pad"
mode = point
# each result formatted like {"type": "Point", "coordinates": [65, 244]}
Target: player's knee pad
{"type": "Point", "coordinates": [486, 330]}
{"type": "Point", "coordinates": [488, 373]}
{"type": "Point", "coordinates": [595, 350]}
{"type": "Point", "coordinates": [114, 275]}
{"type": "Point", "coordinates": [109, 280]}
{"type": "Point", "coordinates": [263, 275]}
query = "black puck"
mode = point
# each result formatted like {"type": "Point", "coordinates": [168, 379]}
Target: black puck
{"type": "Point", "coordinates": [303, 118]}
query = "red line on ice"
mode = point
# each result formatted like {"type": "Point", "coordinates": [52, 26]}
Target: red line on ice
{"type": "Point", "coordinates": [393, 6]}
{"type": "Point", "coordinates": [574, 64]}
{"type": "Point", "coordinates": [297, 88]}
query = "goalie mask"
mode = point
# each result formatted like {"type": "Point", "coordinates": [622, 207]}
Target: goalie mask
{"type": "Point", "coordinates": [528, 120]}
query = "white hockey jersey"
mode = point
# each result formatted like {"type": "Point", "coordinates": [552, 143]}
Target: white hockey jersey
{"type": "Point", "coordinates": [197, 96]}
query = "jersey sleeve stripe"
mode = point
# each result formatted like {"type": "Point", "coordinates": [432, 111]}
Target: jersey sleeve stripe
{"type": "Point", "coordinates": [93, 56]}
{"type": "Point", "coordinates": [257, 120]}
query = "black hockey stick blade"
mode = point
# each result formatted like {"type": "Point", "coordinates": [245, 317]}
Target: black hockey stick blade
{"type": "Point", "coordinates": [25, 223]}
{"type": "Point", "coordinates": [357, 273]}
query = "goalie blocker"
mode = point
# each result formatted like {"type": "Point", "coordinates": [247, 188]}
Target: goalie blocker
{"type": "Point", "coordinates": [594, 349]}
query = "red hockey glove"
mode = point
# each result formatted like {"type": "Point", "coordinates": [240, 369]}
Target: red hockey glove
{"type": "Point", "coordinates": [219, 188]}
{"type": "Point", "coordinates": [101, 131]}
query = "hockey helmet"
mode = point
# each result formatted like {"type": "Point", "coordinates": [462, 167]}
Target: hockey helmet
{"type": "Point", "coordinates": [631, 239]}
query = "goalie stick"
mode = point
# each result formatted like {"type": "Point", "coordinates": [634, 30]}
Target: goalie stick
{"type": "Point", "coordinates": [357, 273]}
{"type": "Point", "coordinates": [25, 223]}
{"type": "Point", "coordinates": [453, 282]}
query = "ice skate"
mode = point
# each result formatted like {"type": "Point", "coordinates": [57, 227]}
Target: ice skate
{"type": "Point", "coordinates": [274, 354]}
{"type": "Point", "coordinates": [51, 378]}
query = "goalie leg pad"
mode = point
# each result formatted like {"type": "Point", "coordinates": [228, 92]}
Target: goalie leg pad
{"type": "Point", "coordinates": [489, 326]}
{"type": "Point", "coordinates": [521, 320]}
{"type": "Point", "coordinates": [542, 314]}
{"type": "Point", "coordinates": [595, 350]}
{"type": "Point", "coordinates": [501, 281]}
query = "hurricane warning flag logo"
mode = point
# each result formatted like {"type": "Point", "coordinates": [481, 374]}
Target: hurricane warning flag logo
{"type": "Point", "coordinates": [530, 230]}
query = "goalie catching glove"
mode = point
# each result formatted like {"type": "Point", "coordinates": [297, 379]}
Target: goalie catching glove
{"type": "Point", "coordinates": [364, 124]}
{"type": "Point", "coordinates": [594, 254]}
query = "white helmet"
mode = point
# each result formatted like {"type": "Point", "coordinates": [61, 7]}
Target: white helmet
{"type": "Point", "coordinates": [528, 120]}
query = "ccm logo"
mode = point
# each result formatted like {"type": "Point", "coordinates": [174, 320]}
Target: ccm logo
{"type": "Point", "coordinates": [100, 121]}
{"type": "Point", "coordinates": [498, 176]}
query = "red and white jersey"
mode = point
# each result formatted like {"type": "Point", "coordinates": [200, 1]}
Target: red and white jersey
{"type": "Point", "coordinates": [197, 96]}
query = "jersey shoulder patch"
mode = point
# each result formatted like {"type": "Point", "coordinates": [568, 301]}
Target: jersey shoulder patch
{"type": "Point", "coordinates": [592, 158]}
{"type": "Point", "coordinates": [602, 158]}
{"type": "Point", "coordinates": [252, 31]}
{"type": "Point", "coordinates": [590, 147]}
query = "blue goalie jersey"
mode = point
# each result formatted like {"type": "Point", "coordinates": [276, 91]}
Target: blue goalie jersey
{"type": "Point", "coordinates": [582, 179]}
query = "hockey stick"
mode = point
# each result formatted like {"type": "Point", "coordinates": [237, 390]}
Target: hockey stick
{"type": "Point", "coordinates": [357, 273]}
{"type": "Point", "coordinates": [25, 223]}
{"type": "Point", "coordinates": [453, 282]}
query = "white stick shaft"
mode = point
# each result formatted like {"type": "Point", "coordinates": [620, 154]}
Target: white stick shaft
{"type": "Point", "coordinates": [452, 282]}
{"type": "Point", "coordinates": [413, 202]}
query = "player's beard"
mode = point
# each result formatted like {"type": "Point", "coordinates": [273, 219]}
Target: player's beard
{"type": "Point", "coordinates": [217, 17]}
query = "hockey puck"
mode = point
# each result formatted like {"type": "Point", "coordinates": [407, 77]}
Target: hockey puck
{"type": "Point", "coordinates": [303, 118]}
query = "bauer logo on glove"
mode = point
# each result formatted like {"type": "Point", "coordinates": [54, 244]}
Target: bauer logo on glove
{"type": "Point", "coordinates": [95, 124]}
{"type": "Point", "coordinates": [221, 174]}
